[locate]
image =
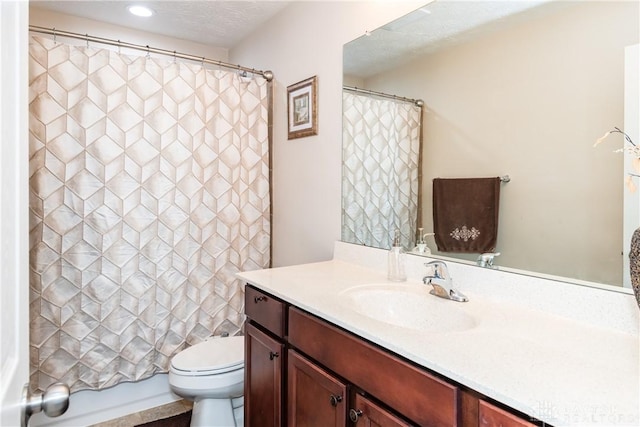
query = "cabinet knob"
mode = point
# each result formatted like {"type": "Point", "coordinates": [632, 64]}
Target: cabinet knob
{"type": "Point", "coordinates": [273, 355]}
{"type": "Point", "coordinates": [334, 400]}
{"type": "Point", "coordinates": [260, 298]}
{"type": "Point", "coordinates": [354, 414]}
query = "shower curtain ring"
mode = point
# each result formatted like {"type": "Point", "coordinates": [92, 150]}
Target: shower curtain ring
{"type": "Point", "coordinates": [87, 38]}
{"type": "Point", "coordinates": [148, 52]}
{"type": "Point", "coordinates": [174, 56]}
{"type": "Point", "coordinates": [119, 47]}
{"type": "Point", "coordinates": [55, 36]}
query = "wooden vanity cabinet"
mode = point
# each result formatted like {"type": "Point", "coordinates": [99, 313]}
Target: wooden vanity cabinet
{"type": "Point", "coordinates": [265, 310]}
{"type": "Point", "coordinates": [265, 358]}
{"type": "Point", "coordinates": [314, 396]}
{"type": "Point", "coordinates": [263, 378]}
{"type": "Point", "coordinates": [411, 391]}
{"type": "Point", "coordinates": [491, 416]}
{"type": "Point", "coordinates": [301, 370]}
{"type": "Point", "coordinates": [364, 412]}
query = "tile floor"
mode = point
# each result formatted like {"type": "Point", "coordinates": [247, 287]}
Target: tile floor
{"type": "Point", "coordinates": [151, 414]}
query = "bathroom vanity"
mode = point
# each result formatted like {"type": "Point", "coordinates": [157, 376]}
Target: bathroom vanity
{"type": "Point", "coordinates": [319, 374]}
{"type": "Point", "coordinates": [334, 343]}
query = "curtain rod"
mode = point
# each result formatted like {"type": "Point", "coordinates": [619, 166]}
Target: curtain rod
{"type": "Point", "coordinates": [417, 102]}
{"type": "Point", "coordinates": [268, 75]}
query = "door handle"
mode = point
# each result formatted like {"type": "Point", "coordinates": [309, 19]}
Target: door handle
{"type": "Point", "coordinates": [53, 402]}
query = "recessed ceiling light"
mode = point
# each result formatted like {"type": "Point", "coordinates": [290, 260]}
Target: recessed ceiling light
{"type": "Point", "coordinates": [140, 10]}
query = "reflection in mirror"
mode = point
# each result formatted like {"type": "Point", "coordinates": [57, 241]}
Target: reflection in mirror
{"type": "Point", "coordinates": [381, 142]}
{"type": "Point", "coordinates": [523, 93]}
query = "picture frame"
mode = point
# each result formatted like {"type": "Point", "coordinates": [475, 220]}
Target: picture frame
{"type": "Point", "coordinates": [302, 110]}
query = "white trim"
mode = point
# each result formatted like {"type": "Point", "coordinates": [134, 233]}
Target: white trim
{"type": "Point", "coordinates": [631, 202]}
{"type": "Point", "coordinates": [14, 218]}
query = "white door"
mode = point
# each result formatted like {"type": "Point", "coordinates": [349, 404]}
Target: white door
{"type": "Point", "coordinates": [14, 219]}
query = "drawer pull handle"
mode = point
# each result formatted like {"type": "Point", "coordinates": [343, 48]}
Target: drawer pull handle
{"type": "Point", "coordinates": [334, 400]}
{"type": "Point", "coordinates": [260, 298]}
{"type": "Point", "coordinates": [273, 355]}
{"type": "Point", "coordinates": [354, 414]}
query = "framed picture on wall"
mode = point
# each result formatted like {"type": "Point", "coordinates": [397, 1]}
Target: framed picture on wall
{"type": "Point", "coordinates": [303, 108]}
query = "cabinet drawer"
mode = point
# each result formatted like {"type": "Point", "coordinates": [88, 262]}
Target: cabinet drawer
{"type": "Point", "coordinates": [411, 391]}
{"type": "Point", "coordinates": [492, 416]}
{"type": "Point", "coordinates": [265, 310]}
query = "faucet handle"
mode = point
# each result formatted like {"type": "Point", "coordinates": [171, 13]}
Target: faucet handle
{"type": "Point", "coordinates": [486, 259]}
{"type": "Point", "coordinates": [439, 269]}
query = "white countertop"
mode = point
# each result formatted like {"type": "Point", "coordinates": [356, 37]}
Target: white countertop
{"type": "Point", "coordinates": [559, 370]}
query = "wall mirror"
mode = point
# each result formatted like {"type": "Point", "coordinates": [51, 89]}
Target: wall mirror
{"type": "Point", "coordinates": [521, 89]}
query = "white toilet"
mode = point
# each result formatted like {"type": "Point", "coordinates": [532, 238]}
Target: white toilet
{"type": "Point", "coordinates": [211, 374]}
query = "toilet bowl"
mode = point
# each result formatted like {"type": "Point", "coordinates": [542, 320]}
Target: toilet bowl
{"type": "Point", "coordinates": [211, 374]}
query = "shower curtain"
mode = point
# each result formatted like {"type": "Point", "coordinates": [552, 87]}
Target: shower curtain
{"type": "Point", "coordinates": [149, 184]}
{"type": "Point", "coordinates": [380, 171]}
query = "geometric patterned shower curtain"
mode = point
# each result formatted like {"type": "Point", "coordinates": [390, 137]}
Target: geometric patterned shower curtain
{"type": "Point", "coordinates": [149, 184]}
{"type": "Point", "coordinates": [380, 170]}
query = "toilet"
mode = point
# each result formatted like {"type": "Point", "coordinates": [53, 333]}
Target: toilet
{"type": "Point", "coordinates": [211, 374]}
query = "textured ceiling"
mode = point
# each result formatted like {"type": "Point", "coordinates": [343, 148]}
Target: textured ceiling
{"type": "Point", "coordinates": [432, 27]}
{"type": "Point", "coordinates": [214, 23]}
{"type": "Point", "coordinates": [225, 23]}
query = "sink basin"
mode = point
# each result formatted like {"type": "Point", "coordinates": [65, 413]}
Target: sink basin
{"type": "Point", "coordinates": [408, 306]}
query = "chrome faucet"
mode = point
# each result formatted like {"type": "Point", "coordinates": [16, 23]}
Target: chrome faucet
{"type": "Point", "coordinates": [486, 259]}
{"type": "Point", "coordinates": [438, 277]}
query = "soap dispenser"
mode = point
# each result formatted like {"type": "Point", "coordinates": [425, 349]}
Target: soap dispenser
{"type": "Point", "coordinates": [397, 256]}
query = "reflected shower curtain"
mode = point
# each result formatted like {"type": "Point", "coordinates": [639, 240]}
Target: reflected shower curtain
{"type": "Point", "coordinates": [380, 175]}
{"type": "Point", "coordinates": [149, 184]}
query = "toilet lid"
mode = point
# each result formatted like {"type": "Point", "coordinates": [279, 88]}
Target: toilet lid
{"type": "Point", "coordinates": [213, 355]}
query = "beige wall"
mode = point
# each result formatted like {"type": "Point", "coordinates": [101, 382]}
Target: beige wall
{"type": "Point", "coordinates": [302, 41]}
{"type": "Point", "coordinates": [530, 102]}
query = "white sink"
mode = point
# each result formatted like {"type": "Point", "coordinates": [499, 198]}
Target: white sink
{"type": "Point", "coordinates": [408, 306]}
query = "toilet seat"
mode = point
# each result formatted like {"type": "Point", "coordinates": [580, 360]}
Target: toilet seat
{"type": "Point", "coordinates": [210, 357]}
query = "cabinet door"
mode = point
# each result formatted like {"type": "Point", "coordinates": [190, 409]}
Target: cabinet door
{"type": "Point", "coordinates": [409, 390]}
{"type": "Point", "coordinates": [263, 379]}
{"type": "Point", "coordinates": [314, 397]}
{"type": "Point", "coordinates": [492, 416]}
{"type": "Point", "coordinates": [365, 413]}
